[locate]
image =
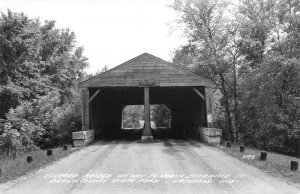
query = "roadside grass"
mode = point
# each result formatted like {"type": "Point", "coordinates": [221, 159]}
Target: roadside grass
{"type": "Point", "coordinates": [12, 169]}
{"type": "Point", "coordinates": [276, 164]}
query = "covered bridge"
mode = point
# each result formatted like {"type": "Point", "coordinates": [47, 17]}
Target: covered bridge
{"type": "Point", "coordinates": [146, 80]}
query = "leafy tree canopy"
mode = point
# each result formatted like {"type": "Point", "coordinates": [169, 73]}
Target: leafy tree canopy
{"type": "Point", "coordinates": [36, 58]}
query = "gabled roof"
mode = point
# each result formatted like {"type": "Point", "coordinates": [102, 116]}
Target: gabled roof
{"type": "Point", "coordinates": [146, 70]}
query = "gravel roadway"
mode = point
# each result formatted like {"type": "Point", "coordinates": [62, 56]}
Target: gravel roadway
{"type": "Point", "coordinates": [170, 166]}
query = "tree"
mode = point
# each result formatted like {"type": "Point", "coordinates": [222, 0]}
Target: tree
{"type": "Point", "coordinates": [253, 57]}
{"type": "Point", "coordinates": [40, 67]}
{"type": "Point", "coordinates": [36, 58]}
{"type": "Point", "coordinates": [10, 139]}
{"type": "Point", "coordinates": [270, 100]}
{"type": "Point", "coordinates": [212, 50]}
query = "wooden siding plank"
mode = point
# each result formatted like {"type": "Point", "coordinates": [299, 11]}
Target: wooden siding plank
{"type": "Point", "coordinates": [146, 68]}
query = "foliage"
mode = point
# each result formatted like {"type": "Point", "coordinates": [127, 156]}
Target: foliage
{"type": "Point", "coordinates": [271, 105]}
{"type": "Point", "coordinates": [40, 67]}
{"type": "Point", "coordinates": [56, 123]}
{"type": "Point", "coordinates": [212, 50]}
{"type": "Point", "coordinates": [35, 59]}
{"type": "Point", "coordinates": [131, 115]}
{"type": "Point", "coordinates": [11, 169]}
{"type": "Point", "coordinates": [271, 96]}
{"type": "Point", "coordinates": [10, 98]}
{"type": "Point", "coordinates": [69, 120]}
{"type": "Point", "coordinates": [161, 115]}
{"type": "Point", "coordinates": [253, 57]}
{"type": "Point", "coordinates": [16, 136]}
{"type": "Point", "coordinates": [10, 138]}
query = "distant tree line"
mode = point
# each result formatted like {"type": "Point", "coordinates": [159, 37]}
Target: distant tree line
{"type": "Point", "coordinates": [159, 113]}
{"type": "Point", "coordinates": [251, 51]}
{"type": "Point", "coordinates": [131, 115]}
{"type": "Point", "coordinates": [40, 67]}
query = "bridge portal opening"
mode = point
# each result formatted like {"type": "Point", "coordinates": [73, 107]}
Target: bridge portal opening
{"type": "Point", "coordinates": [133, 120]}
{"type": "Point", "coordinates": [133, 117]}
{"type": "Point", "coordinates": [119, 113]}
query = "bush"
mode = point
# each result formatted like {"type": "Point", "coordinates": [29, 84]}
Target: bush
{"type": "Point", "coordinates": [69, 121]}
{"type": "Point", "coordinates": [45, 121]}
{"type": "Point", "coordinates": [16, 136]}
{"type": "Point", "coordinates": [9, 97]}
{"type": "Point", "coordinates": [10, 140]}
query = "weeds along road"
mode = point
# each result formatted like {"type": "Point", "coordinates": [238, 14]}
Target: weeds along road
{"type": "Point", "coordinates": [163, 167]}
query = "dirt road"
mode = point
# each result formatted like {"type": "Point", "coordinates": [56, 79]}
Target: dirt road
{"type": "Point", "coordinates": [161, 167]}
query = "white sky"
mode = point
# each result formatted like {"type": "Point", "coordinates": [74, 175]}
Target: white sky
{"type": "Point", "coordinates": [111, 31]}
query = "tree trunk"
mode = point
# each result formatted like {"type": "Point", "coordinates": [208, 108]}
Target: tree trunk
{"type": "Point", "coordinates": [236, 107]}
{"type": "Point", "coordinates": [8, 152]}
{"type": "Point", "coordinates": [14, 154]}
{"type": "Point", "coordinates": [299, 146]}
{"type": "Point", "coordinates": [236, 119]}
{"type": "Point", "coordinates": [227, 109]}
{"type": "Point", "coordinates": [229, 120]}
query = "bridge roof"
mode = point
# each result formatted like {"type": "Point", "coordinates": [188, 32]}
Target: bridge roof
{"type": "Point", "coordinates": [146, 70]}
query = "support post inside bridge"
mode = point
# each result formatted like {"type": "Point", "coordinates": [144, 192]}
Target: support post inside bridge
{"type": "Point", "coordinates": [147, 135]}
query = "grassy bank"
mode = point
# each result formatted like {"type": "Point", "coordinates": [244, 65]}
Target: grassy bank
{"type": "Point", "coordinates": [11, 169]}
{"type": "Point", "coordinates": [276, 164]}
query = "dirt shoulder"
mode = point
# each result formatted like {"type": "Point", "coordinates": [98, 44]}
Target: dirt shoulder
{"type": "Point", "coordinates": [276, 165]}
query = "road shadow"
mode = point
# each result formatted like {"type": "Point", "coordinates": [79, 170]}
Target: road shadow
{"type": "Point", "coordinates": [160, 135]}
{"type": "Point", "coordinates": [120, 134]}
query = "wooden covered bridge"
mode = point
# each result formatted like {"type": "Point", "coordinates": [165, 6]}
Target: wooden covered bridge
{"type": "Point", "coordinates": [146, 80]}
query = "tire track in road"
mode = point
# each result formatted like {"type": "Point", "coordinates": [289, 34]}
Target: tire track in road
{"type": "Point", "coordinates": [96, 161]}
{"type": "Point", "coordinates": [198, 164]}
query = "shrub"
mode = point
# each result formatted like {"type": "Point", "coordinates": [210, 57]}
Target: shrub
{"type": "Point", "coordinates": [10, 138]}
{"type": "Point", "coordinates": [9, 97]}
{"type": "Point", "coordinates": [45, 121]}
{"type": "Point", "coordinates": [69, 121]}
{"type": "Point", "coordinates": [16, 136]}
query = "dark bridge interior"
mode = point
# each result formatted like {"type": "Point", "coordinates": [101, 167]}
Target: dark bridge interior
{"type": "Point", "coordinates": [188, 111]}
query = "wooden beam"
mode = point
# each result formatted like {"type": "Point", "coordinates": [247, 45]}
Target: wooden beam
{"type": "Point", "coordinates": [85, 108]}
{"type": "Point", "coordinates": [94, 95]}
{"type": "Point", "coordinates": [147, 131]}
{"type": "Point", "coordinates": [199, 93]}
{"type": "Point", "coordinates": [209, 106]}
{"type": "Point", "coordinates": [169, 106]}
